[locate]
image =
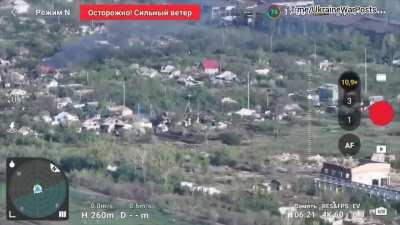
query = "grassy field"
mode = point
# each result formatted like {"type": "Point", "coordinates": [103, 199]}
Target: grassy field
{"type": "Point", "coordinates": [325, 139]}
{"type": "Point", "coordinates": [325, 136]}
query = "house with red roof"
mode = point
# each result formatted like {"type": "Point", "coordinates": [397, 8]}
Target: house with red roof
{"type": "Point", "coordinates": [210, 66]}
{"type": "Point", "coordinates": [44, 68]}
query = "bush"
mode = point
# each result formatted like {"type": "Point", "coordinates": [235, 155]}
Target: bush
{"type": "Point", "coordinates": [221, 159]}
{"type": "Point", "coordinates": [230, 138]}
{"type": "Point", "coordinates": [242, 201]}
{"type": "Point", "coordinates": [395, 164]}
{"type": "Point", "coordinates": [396, 206]}
{"type": "Point", "coordinates": [78, 163]}
{"type": "Point", "coordinates": [127, 173]}
{"type": "Point", "coordinates": [265, 127]}
{"type": "Point", "coordinates": [27, 141]}
{"type": "Point", "coordinates": [305, 185]}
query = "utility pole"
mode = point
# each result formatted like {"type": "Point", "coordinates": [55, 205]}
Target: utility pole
{"type": "Point", "coordinates": [223, 37]}
{"type": "Point", "coordinates": [124, 89]}
{"type": "Point", "coordinates": [248, 90]}
{"type": "Point", "coordinates": [270, 42]}
{"type": "Point", "coordinates": [269, 90]}
{"type": "Point", "coordinates": [271, 37]}
{"type": "Point", "coordinates": [315, 56]}
{"type": "Point", "coordinates": [365, 73]}
{"type": "Point", "coordinates": [188, 108]}
{"type": "Point", "coordinates": [391, 64]}
{"type": "Point", "coordinates": [198, 112]}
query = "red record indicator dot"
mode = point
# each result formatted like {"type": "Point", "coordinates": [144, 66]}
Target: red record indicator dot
{"type": "Point", "coordinates": [381, 113]}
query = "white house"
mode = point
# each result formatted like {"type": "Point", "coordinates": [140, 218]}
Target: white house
{"type": "Point", "coordinates": [210, 66]}
{"type": "Point", "coordinates": [121, 111]}
{"type": "Point", "coordinates": [20, 6]}
{"type": "Point", "coordinates": [52, 84]}
{"type": "Point", "coordinates": [376, 98]}
{"type": "Point", "coordinates": [167, 69]}
{"type": "Point", "coordinates": [326, 66]}
{"type": "Point", "coordinates": [246, 112]}
{"type": "Point", "coordinates": [228, 100]}
{"type": "Point", "coordinates": [202, 189]}
{"type": "Point", "coordinates": [65, 118]}
{"type": "Point", "coordinates": [18, 93]}
{"type": "Point", "coordinates": [112, 168]}
{"type": "Point", "coordinates": [25, 131]}
{"type": "Point", "coordinates": [226, 76]}
{"type": "Point", "coordinates": [264, 71]}
{"type": "Point", "coordinates": [110, 125]}
{"type": "Point", "coordinates": [91, 124]}
{"type": "Point", "coordinates": [63, 102]}
{"type": "Point", "coordinates": [4, 63]}
{"type": "Point", "coordinates": [364, 172]}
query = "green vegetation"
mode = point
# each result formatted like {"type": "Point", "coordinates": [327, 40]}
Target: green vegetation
{"type": "Point", "coordinates": [150, 168]}
{"type": "Point", "coordinates": [230, 138]}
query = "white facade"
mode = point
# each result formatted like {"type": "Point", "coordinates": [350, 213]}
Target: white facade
{"type": "Point", "coordinates": [373, 173]}
{"type": "Point", "coordinates": [211, 71]}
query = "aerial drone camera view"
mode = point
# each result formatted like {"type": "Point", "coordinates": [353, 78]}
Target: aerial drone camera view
{"type": "Point", "coordinates": [199, 112]}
